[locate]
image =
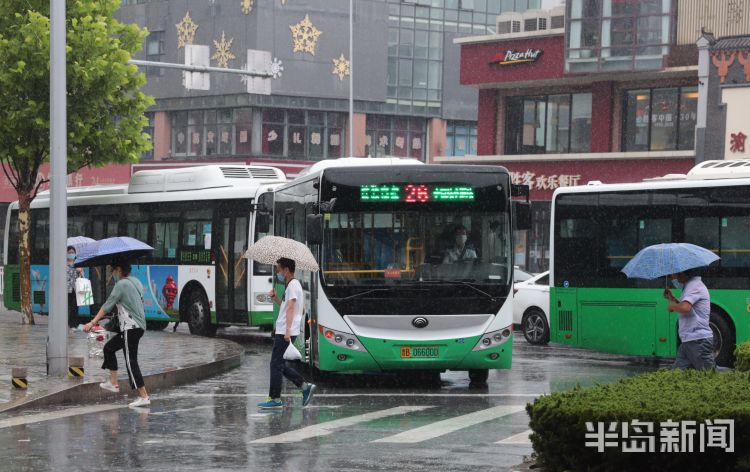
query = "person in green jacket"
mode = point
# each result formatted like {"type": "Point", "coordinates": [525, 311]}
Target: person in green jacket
{"type": "Point", "coordinates": [127, 296]}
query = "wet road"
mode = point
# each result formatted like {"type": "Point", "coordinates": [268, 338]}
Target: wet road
{"type": "Point", "coordinates": [374, 423]}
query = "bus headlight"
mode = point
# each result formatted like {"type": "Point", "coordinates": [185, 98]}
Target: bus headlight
{"type": "Point", "coordinates": [262, 298]}
{"type": "Point", "coordinates": [344, 340]}
{"type": "Point", "coordinates": [493, 339]}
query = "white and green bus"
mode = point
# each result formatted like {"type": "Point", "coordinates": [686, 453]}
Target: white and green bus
{"type": "Point", "coordinates": [200, 220]}
{"type": "Point", "coordinates": [386, 297]}
{"type": "Point", "coordinates": [597, 229]}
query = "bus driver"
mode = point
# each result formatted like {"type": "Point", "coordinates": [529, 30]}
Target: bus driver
{"type": "Point", "coordinates": [460, 251]}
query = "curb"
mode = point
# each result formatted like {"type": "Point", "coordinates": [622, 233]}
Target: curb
{"type": "Point", "coordinates": [90, 391]}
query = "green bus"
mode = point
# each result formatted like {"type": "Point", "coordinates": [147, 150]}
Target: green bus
{"type": "Point", "coordinates": [386, 298]}
{"type": "Point", "coordinates": [597, 229]}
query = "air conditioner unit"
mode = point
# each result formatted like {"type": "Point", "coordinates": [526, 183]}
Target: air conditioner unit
{"type": "Point", "coordinates": [536, 20]}
{"type": "Point", "coordinates": [509, 22]}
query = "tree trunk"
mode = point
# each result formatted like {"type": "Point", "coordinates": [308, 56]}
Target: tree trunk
{"type": "Point", "coordinates": [24, 258]}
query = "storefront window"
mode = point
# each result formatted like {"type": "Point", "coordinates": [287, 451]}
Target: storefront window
{"type": "Point", "coordinates": [395, 136]}
{"type": "Point", "coordinates": [548, 124]}
{"type": "Point", "coordinates": [660, 119]}
{"type": "Point", "coordinates": [461, 138]}
{"type": "Point", "coordinates": [211, 132]}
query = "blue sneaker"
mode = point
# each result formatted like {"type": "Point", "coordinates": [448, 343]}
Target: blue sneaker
{"type": "Point", "coordinates": [307, 393]}
{"type": "Point", "coordinates": [271, 404]}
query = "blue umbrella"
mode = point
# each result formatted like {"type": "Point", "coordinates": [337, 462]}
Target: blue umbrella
{"type": "Point", "coordinates": [77, 242]}
{"type": "Point", "coordinates": [661, 260]}
{"type": "Point", "coordinates": [106, 251]}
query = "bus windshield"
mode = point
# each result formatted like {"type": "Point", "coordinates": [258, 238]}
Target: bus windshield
{"type": "Point", "coordinates": [409, 247]}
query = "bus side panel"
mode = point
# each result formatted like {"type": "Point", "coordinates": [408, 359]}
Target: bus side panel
{"type": "Point", "coordinates": [202, 274]}
{"type": "Point", "coordinates": [619, 321]}
{"type": "Point", "coordinates": [261, 312]}
{"type": "Point", "coordinates": [12, 288]}
{"type": "Point", "coordinates": [564, 316]}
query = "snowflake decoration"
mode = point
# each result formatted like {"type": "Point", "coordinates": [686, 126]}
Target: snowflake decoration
{"type": "Point", "coordinates": [247, 6]}
{"type": "Point", "coordinates": [276, 68]}
{"type": "Point", "coordinates": [305, 36]}
{"type": "Point", "coordinates": [223, 52]}
{"type": "Point", "coordinates": [341, 67]}
{"type": "Point", "coordinates": [186, 31]}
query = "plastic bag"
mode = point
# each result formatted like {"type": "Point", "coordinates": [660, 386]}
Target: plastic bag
{"type": "Point", "coordinates": [84, 294]}
{"type": "Point", "coordinates": [95, 342]}
{"type": "Point", "coordinates": [291, 353]}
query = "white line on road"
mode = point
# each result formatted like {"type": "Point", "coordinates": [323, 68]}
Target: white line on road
{"type": "Point", "coordinates": [440, 428]}
{"type": "Point", "coordinates": [344, 395]}
{"type": "Point", "coordinates": [167, 412]}
{"type": "Point", "coordinates": [520, 438]}
{"type": "Point", "coordinates": [55, 415]}
{"type": "Point", "coordinates": [326, 428]}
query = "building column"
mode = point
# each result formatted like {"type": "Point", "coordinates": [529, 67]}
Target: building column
{"type": "Point", "coordinates": [162, 135]}
{"type": "Point", "coordinates": [602, 110]}
{"type": "Point", "coordinates": [360, 135]}
{"type": "Point", "coordinates": [436, 133]}
{"type": "Point", "coordinates": [487, 122]}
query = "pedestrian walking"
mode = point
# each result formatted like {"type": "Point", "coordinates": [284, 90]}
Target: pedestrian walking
{"type": "Point", "coordinates": [696, 350]}
{"type": "Point", "coordinates": [73, 273]}
{"type": "Point", "coordinates": [127, 296]}
{"type": "Point", "coordinates": [288, 326]}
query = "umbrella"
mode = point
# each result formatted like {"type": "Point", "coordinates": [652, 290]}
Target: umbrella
{"type": "Point", "coordinates": [105, 251]}
{"type": "Point", "coordinates": [77, 242]}
{"type": "Point", "coordinates": [270, 249]}
{"type": "Point", "coordinates": [661, 260]}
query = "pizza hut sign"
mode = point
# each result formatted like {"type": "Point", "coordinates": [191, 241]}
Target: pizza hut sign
{"type": "Point", "coordinates": [511, 56]}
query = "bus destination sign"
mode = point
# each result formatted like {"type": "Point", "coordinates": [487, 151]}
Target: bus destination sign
{"type": "Point", "coordinates": [416, 193]}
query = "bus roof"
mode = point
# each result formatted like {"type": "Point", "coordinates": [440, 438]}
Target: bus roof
{"type": "Point", "coordinates": [341, 162]}
{"type": "Point", "coordinates": [212, 181]}
{"type": "Point", "coordinates": [706, 174]}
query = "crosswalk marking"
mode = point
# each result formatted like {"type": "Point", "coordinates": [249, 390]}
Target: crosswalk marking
{"type": "Point", "coordinates": [349, 395]}
{"type": "Point", "coordinates": [55, 415]}
{"type": "Point", "coordinates": [326, 428]}
{"type": "Point", "coordinates": [440, 428]}
{"type": "Point", "coordinates": [520, 438]}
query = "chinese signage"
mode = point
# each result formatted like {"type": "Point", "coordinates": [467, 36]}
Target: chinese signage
{"type": "Point", "coordinates": [511, 56]}
{"type": "Point", "coordinates": [544, 182]}
{"type": "Point", "coordinates": [673, 436]}
{"type": "Point", "coordinates": [737, 142]}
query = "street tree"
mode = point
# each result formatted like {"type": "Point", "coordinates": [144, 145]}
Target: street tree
{"type": "Point", "coordinates": [105, 103]}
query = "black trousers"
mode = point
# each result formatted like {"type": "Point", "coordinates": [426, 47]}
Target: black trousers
{"type": "Point", "coordinates": [72, 310]}
{"type": "Point", "coordinates": [279, 367]}
{"type": "Point", "coordinates": [128, 341]}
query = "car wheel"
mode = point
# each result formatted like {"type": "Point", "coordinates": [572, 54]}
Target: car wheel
{"type": "Point", "coordinates": [724, 339]}
{"type": "Point", "coordinates": [478, 376]}
{"type": "Point", "coordinates": [199, 316]}
{"type": "Point", "coordinates": [535, 326]}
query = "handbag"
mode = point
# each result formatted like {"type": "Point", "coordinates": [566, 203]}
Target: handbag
{"type": "Point", "coordinates": [84, 294]}
{"type": "Point", "coordinates": [113, 325]}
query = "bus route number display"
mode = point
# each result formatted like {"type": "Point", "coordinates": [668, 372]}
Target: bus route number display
{"type": "Point", "coordinates": [416, 193]}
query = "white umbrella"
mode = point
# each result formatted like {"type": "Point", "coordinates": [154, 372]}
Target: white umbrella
{"type": "Point", "coordinates": [270, 249]}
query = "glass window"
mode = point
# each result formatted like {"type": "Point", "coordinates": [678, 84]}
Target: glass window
{"type": "Point", "coordinates": [687, 117]}
{"type": "Point", "coordinates": [460, 138]}
{"type": "Point", "coordinates": [654, 231]}
{"type": "Point", "coordinates": [637, 117]}
{"type": "Point", "coordinates": [663, 119]}
{"type": "Point", "coordinates": [703, 232]}
{"type": "Point", "coordinates": [734, 241]}
{"type": "Point", "coordinates": [580, 129]}
{"type": "Point", "coordinates": [659, 119]}
{"type": "Point", "coordinates": [558, 123]}
{"type": "Point", "coordinates": [165, 240]}
{"type": "Point", "coordinates": [179, 133]}
{"type": "Point", "coordinates": [243, 131]}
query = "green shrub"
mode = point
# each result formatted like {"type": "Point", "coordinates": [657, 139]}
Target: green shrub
{"type": "Point", "coordinates": [558, 421]}
{"type": "Point", "coordinates": [742, 357]}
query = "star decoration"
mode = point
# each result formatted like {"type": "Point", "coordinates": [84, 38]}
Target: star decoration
{"type": "Point", "coordinates": [223, 52]}
{"type": "Point", "coordinates": [305, 36]}
{"type": "Point", "coordinates": [186, 31]}
{"type": "Point", "coordinates": [247, 6]}
{"type": "Point", "coordinates": [276, 68]}
{"type": "Point", "coordinates": [341, 67]}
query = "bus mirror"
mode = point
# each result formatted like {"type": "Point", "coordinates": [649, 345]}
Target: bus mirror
{"type": "Point", "coordinates": [314, 229]}
{"type": "Point", "coordinates": [522, 215]}
{"type": "Point", "coordinates": [262, 222]}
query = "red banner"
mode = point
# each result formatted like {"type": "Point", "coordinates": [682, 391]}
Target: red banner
{"type": "Point", "coordinates": [108, 175]}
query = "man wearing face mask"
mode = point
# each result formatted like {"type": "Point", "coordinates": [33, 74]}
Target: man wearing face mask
{"type": "Point", "coordinates": [694, 306]}
{"type": "Point", "coordinates": [460, 252]}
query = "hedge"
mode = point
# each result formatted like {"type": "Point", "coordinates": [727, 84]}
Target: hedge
{"type": "Point", "coordinates": [558, 421]}
{"type": "Point", "coordinates": [742, 357]}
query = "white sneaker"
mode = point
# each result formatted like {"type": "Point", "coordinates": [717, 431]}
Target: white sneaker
{"type": "Point", "coordinates": [140, 402]}
{"type": "Point", "coordinates": [110, 386]}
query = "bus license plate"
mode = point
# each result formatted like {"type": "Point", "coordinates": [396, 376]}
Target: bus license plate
{"type": "Point", "coordinates": [409, 352]}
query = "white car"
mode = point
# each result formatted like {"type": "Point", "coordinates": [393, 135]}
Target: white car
{"type": "Point", "coordinates": [531, 308]}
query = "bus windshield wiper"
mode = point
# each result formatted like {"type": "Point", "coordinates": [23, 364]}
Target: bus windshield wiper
{"type": "Point", "coordinates": [359, 294]}
{"type": "Point", "coordinates": [464, 283]}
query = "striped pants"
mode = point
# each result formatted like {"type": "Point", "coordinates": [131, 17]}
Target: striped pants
{"type": "Point", "coordinates": [128, 341]}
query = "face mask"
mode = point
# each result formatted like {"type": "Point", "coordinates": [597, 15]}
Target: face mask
{"type": "Point", "coordinates": [115, 277]}
{"type": "Point", "coordinates": [461, 240]}
{"type": "Point", "coordinates": [71, 257]}
{"type": "Point", "coordinates": [677, 284]}
{"type": "Point", "coordinates": [280, 277]}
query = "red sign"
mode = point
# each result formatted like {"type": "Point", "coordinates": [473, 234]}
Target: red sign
{"type": "Point", "coordinates": [108, 175]}
{"type": "Point", "coordinates": [737, 142]}
{"type": "Point", "coordinates": [392, 273]}
{"type": "Point", "coordinates": [512, 56]}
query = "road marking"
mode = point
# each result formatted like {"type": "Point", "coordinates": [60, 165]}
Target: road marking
{"type": "Point", "coordinates": [55, 415]}
{"type": "Point", "coordinates": [326, 428]}
{"type": "Point", "coordinates": [440, 428]}
{"type": "Point", "coordinates": [346, 395]}
{"type": "Point", "coordinates": [520, 438]}
{"type": "Point", "coordinates": [167, 412]}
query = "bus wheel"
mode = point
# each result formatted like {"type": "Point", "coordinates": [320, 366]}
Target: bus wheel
{"type": "Point", "coordinates": [199, 316]}
{"type": "Point", "coordinates": [535, 326]}
{"type": "Point", "coordinates": [478, 376]}
{"type": "Point", "coordinates": [724, 339]}
{"type": "Point", "coordinates": [156, 325]}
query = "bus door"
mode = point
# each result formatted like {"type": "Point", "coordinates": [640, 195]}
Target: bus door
{"type": "Point", "coordinates": [232, 227]}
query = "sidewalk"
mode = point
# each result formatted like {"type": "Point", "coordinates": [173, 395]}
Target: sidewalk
{"type": "Point", "coordinates": [167, 359]}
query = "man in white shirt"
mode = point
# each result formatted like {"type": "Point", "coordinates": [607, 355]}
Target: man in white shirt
{"type": "Point", "coordinates": [287, 328]}
{"type": "Point", "coordinates": [460, 252]}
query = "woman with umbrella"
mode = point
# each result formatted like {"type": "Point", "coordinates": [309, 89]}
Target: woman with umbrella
{"type": "Point", "coordinates": [127, 296]}
{"type": "Point", "coordinates": [73, 273]}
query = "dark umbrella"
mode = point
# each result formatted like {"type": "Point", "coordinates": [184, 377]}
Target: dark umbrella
{"type": "Point", "coordinates": [107, 251]}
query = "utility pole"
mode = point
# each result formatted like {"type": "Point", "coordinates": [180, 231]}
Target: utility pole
{"type": "Point", "coordinates": [57, 330]}
{"type": "Point", "coordinates": [351, 77]}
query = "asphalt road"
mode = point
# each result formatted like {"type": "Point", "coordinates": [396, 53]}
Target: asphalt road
{"type": "Point", "coordinates": [400, 423]}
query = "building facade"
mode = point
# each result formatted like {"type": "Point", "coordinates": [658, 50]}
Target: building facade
{"type": "Point", "coordinates": [407, 97]}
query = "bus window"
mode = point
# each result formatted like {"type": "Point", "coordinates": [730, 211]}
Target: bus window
{"type": "Point", "coordinates": [703, 232]}
{"type": "Point", "coordinates": [621, 241]}
{"type": "Point", "coordinates": [734, 245]}
{"type": "Point", "coordinates": [654, 231]}
{"type": "Point", "coordinates": [195, 229]}
{"type": "Point", "coordinates": [165, 240]}
{"type": "Point", "coordinates": [265, 207]}
{"type": "Point", "coordinates": [13, 238]}
{"type": "Point", "coordinates": [39, 241]}
{"type": "Point", "coordinates": [137, 223]}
